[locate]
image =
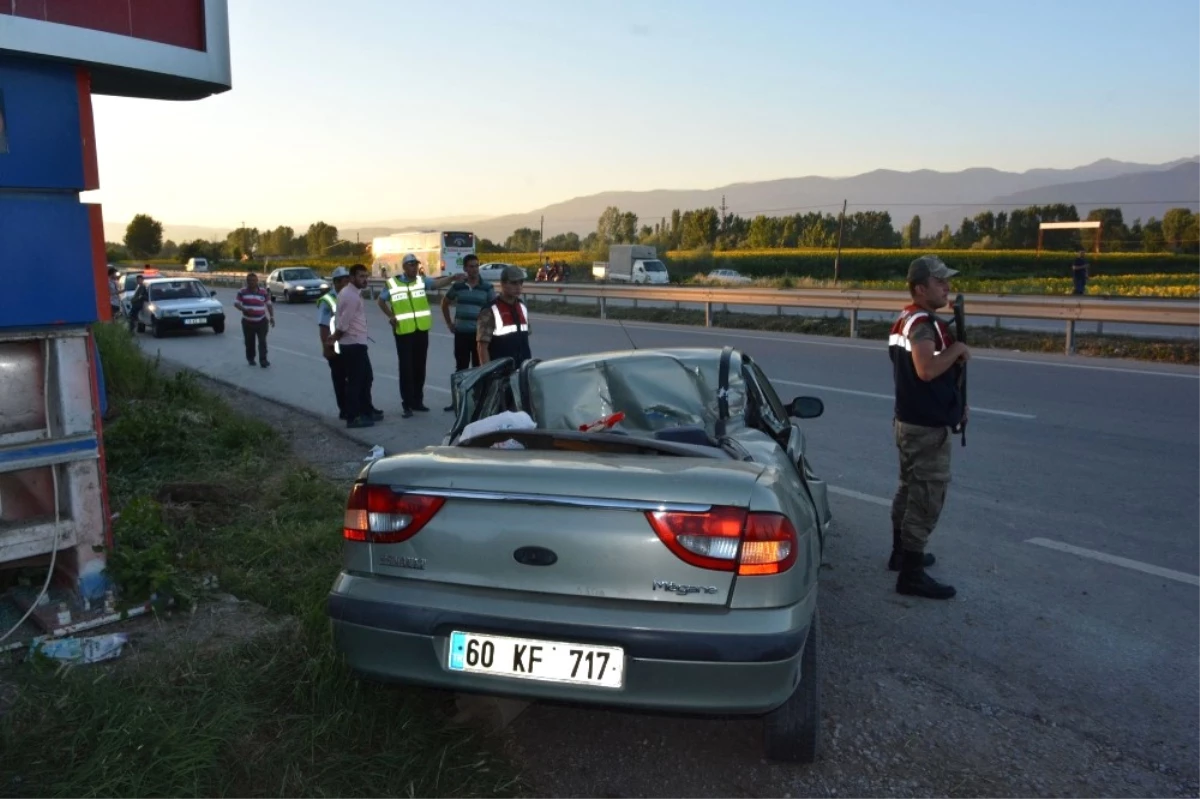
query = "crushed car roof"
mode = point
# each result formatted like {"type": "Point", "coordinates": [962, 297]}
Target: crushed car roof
{"type": "Point", "coordinates": [655, 389]}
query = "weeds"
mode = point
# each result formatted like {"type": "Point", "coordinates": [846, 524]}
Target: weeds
{"type": "Point", "coordinates": [203, 491]}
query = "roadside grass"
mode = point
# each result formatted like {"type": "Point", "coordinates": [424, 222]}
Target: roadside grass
{"type": "Point", "coordinates": [279, 715]}
{"type": "Point", "coordinates": [1182, 351]}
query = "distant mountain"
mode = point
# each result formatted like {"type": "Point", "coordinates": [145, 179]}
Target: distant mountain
{"type": "Point", "coordinates": [114, 231]}
{"type": "Point", "coordinates": [937, 197]}
{"type": "Point", "coordinates": [1139, 195]}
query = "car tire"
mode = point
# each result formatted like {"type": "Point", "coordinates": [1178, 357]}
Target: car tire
{"type": "Point", "coordinates": [155, 328]}
{"type": "Point", "coordinates": [141, 328]}
{"type": "Point", "coordinates": [792, 732]}
{"type": "Point", "coordinates": [218, 326]}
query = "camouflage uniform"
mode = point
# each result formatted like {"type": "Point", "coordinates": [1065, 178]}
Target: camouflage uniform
{"type": "Point", "coordinates": [925, 412]}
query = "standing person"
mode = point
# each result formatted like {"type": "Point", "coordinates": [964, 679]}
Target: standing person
{"type": "Point", "coordinates": [468, 298]}
{"type": "Point", "coordinates": [326, 313]}
{"type": "Point", "coordinates": [255, 304]}
{"type": "Point", "coordinates": [925, 363]}
{"type": "Point", "coordinates": [350, 336]}
{"type": "Point", "coordinates": [1079, 272]}
{"type": "Point", "coordinates": [407, 308]}
{"type": "Point", "coordinates": [114, 294]}
{"type": "Point", "coordinates": [138, 300]}
{"type": "Point", "coordinates": [503, 329]}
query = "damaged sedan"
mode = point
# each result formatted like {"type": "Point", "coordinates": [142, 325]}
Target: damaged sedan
{"type": "Point", "coordinates": [637, 529]}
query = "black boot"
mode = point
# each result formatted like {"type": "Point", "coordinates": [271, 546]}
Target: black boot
{"type": "Point", "coordinates": [897, 550]}
{"type": "Point", "coordinates": [915, 582]}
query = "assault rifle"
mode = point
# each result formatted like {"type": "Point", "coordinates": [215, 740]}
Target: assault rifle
{"type": "Point", "coordinates": [960, 334]}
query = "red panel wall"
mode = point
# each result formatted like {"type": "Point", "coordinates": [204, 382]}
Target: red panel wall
{"type": "Point", "coordinates": [174, 22]}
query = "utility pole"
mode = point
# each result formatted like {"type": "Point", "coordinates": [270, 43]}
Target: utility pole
{"type": "Point", "coordinates": [722, 210]}
{"type": "Point", "coordinates": [541, 235]}
{"type": "Point", "coordinates": [837, 261]}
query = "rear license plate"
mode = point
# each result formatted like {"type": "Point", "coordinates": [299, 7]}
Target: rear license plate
{"type": "Point", "coordinates": [200, 321]}
{"type": "Point", "coordinates": [543, 661]}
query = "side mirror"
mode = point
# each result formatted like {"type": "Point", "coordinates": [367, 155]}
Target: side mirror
{"type": "Point", "coordinates": [806, 408]}
{"type": "Point", "coordinates": [212, 292]}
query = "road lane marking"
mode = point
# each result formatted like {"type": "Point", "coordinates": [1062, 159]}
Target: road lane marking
{"type": "Point", "coordinates": [1116, 560]}
{"type": "Point", "coordinates": [846, 492]}
{"type": "Point", "coordinates": [1120, 369]}
{"type": "Point", "coordinates": [801, 338]}
{"type": "Point", "coordinates": [428, 386]}
{"type": "Point", "coordinates": [974, 409]}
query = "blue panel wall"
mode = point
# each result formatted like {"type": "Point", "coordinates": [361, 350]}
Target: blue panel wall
{"type": "Point", "coordinates": [41, 115]}
{"type": "Point", "coordinates": [45, 261]}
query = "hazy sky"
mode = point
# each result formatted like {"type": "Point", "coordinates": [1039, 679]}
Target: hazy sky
{"type": "Point", "coordinates": [369, 110]}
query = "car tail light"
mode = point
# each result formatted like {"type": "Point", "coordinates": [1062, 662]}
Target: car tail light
{"type": "Point", "coordinates": [729, 539]}
{"type": "Point", "coordinates": [379, 515]}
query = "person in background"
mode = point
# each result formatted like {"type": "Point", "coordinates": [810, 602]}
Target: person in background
{"type": "Point", "coordinates": [114, 294]}
{"type": "Point", "coordinates": [137, 301]}
{"type": "Point", "coordinates": [350, 337]}
{"type": "Point", "coordinates": [503, 327]}
{"type": "Point", "coordinates": [255, 304]}
{"type": "Point", "coordinates": [1079, 272]}
{"type": "Point", "coordinates": [468, 298]}
{"type": "Point", "coordinates": [326, 312]}
{"type": "Point", "coordinates": [407, 308]}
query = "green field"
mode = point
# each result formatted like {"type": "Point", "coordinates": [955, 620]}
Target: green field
{"type": "Point", "coordinates": [986, 271]}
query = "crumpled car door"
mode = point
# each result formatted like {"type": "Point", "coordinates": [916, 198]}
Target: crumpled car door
{"type": "Point", "coordinates": [480, 392]}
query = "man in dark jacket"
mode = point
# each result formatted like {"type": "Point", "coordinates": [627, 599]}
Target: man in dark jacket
{"type": "Point", "coordinates": [503, 328]}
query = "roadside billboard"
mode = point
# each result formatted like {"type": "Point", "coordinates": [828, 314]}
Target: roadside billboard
{"type": "Point", "coordinates": [159, 49]}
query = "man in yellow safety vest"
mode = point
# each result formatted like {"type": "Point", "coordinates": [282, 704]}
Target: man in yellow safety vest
{"type": "Point", "coordinates": [406, 306]}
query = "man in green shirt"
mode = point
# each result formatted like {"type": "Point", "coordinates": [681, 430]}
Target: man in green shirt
{"type": "Point", "coordinates": [468, 298]}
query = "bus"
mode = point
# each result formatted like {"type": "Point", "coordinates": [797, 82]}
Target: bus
{"type": "Point", "coordinates": [441, 251]}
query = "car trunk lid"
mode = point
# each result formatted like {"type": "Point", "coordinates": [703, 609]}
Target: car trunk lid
{"type": "Point", "coordinates": [573, 525]}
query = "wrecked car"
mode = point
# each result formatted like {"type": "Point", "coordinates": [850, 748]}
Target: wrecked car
{"type": "Point", "coordinates": [644, 530]}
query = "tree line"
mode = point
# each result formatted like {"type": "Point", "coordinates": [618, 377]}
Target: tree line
{"type": "Point", "coordinates": [707, 228]}
{"type": "Point", "coordinates": [144, 239]}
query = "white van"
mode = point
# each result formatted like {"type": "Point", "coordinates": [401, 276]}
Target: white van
{"type": "Point", "coordinates": [197, 265]}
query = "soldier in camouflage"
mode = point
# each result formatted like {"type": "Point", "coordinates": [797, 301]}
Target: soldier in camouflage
{"type": "Point", "coordinates": [925, 363]}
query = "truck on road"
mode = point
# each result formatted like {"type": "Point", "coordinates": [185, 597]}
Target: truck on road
{"type": "Point", "coordinates": [633, 263]}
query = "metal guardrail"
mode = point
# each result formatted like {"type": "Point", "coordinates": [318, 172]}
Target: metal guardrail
{"type": "Point", "coordinates": [1069, 309]}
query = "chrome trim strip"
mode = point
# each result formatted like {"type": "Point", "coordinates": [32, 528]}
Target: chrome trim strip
{"type": "Point", "coordinates": [546, 499]}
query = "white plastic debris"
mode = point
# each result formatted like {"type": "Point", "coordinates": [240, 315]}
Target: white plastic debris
{"type": "Point", "coordinates": [509, 420]}
{"type": "Point", "coordinates": [375, 454]}
{"type": "Point", "coordinates": [81, 650]}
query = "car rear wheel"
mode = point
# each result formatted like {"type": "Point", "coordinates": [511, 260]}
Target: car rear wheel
{"type": "Point", "coordinates": [792, 732]}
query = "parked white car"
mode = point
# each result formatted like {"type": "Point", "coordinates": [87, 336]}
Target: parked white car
{"type": "Point", "coordinates": [727, 276]}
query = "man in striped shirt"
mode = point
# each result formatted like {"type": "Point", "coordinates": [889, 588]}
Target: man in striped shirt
{"type": "Point", "coordinates": [255, 304]}
{"type": "Point", "coordinates": [468, 298]}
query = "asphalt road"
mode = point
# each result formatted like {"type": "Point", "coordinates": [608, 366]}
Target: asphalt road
{"type": "Point", "coordinates": [1070, 532]}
